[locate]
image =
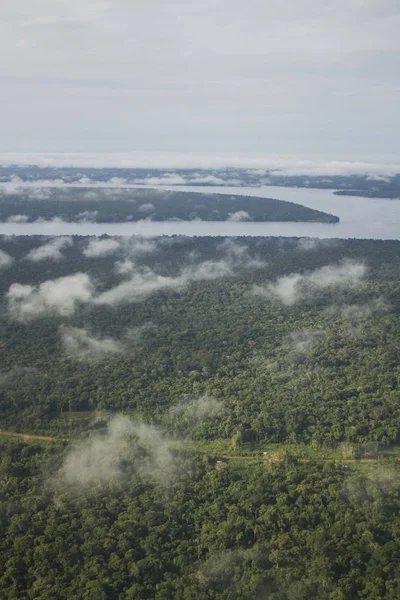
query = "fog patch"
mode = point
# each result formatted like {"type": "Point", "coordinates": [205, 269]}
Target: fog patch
{"type": "Point", "coordinates": [18, 219]}
{"type": "Point", "coordinates": [58, 296]}
{"type": "Point", "coordinates": [61, 296]}
{"type": "Point", "coordinates": [240, 215]}
{"type": "Point", "coordinates": [88, 216]}
{"type": "Point", "coordinates": [302, 341]}
{"type": "Point", "coordinates": [296, 287]}
{"type": "Point", "coordinates": [126, 450]}
{"type": "Point", "coordinates": [5, 259]}
{"type": "Point", "coordinates": [191, 411]}
{"type": "Point", "coordinates": [81, 345]}
{"type": "Point", "coordinates": [310, 244]}
{"type": "Point", "coordinates": [102, 247]}
{"type": "Point", "coordinates": [146, 208]}
{"type": "Point", "coordinates": [359, 311]}
{"type": "Point", "coordinates": [50, 251]}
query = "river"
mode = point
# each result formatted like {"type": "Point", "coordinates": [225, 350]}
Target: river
{"type": "Point", "coordinates": [373, 218]}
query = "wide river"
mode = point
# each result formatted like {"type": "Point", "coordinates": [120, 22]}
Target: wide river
{"type": "Point", "coordinates": [374, 218]}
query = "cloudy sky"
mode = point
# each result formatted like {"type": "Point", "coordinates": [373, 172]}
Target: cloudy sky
{"type": "Point", "coordinates": [299, 77]}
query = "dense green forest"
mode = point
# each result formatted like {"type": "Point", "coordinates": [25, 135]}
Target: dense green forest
{"type": "Point", "coordinates": [116, 205]}
{"type": "Point", "coordinates": [135, 354]}
{"type": "Point", "coordinates": [294, 340]}
{"type": "Point", "coordinates": [283, 531]}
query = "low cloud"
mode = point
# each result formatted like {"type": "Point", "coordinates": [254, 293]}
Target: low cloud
{"type": "Point", "coordinates": [18, 219]}
{"type": "Point", "coordinates": [240, 215]}
{"type": "Point", "coordinates": [131, 247]}
{"type": "Point", "coordinates": [359, 311]}
{"type": "Point", "coordinates": [104, 247]}
{"type": "Point", "coordinates": [310, 244]}
{"type": "Point", "coordinates": [302, 341]}
{"type": "Point", "coordinates": [196, 410]}
{"type": "Point", "coordinates": [61, 296]}
{"type": "Point", "coordinates": [294, 288]}
{"type": "Point", "coordinates": [51, 250]}
{"type": "Point", "coordinates": [238, 255]}
{"type": "Point", "coordinates": [125, 451]}
{"type": "Point", "coordinates": [58, 296]}
{"type": "Point", "coordinates": [88, 215]}
{"type": "Point", "coordinates": [5, 259]}
{"type": "Point", "coordinates": [178, 179]}
{"type": "Point", "coordinates": [146, 208]}
{"type": "Point", "coordinates": [81, 345]}
{"type": "Point", "coordinates": [134, 247]}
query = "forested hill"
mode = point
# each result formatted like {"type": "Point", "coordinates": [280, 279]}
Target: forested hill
{"type": "Point", "coordinates": [120, 205]}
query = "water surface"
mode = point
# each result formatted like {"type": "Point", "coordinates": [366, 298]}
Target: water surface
{"type": "Point", "coordinates": [374, 218]}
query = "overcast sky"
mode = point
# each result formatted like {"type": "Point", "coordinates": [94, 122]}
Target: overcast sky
{"type": "Point", "coordinates": [293, 77]}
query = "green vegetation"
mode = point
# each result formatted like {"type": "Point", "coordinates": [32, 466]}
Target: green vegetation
{"type": "Point", "coordinates": [283, 531]}
{"type": "Point", "coordinates": [208, 348]}
{"type": "Point", "coordinates": [117, 205]}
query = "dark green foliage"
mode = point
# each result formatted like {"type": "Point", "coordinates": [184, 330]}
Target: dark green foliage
{"type": "Point", "coordinates": [283, 531]}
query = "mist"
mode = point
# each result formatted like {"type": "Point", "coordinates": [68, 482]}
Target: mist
{"type": "Point", "coordinates": [79, 344]}
{"type": "Point", "coordinates": [52, 250]}
{"type": "Point", "coordinates": [5, 259]}
{"type": "Point", "coordinates": [63, 295]}
{"type": "Point", "coordinates": [294, 288]}
{"type": "Point", "coordinates": [125, 451]}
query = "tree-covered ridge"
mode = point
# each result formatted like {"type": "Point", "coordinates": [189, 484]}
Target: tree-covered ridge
{"type": "Point", "coordinates": [111, 205]}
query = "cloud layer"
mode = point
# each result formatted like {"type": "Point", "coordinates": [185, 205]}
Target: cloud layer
{"type": "Point", "coordinates": [269, 76]}
{"type": "Point", "coordinates": [263, 163]}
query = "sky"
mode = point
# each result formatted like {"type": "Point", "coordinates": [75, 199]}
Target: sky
{"type": "Point", "coordinates": [305, 78]}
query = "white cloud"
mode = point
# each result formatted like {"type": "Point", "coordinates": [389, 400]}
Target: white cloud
{"type": "Point", "coordinates": [58, 296]}
{"type": "Point", "coordinates": [146, 208]}
{"type": "Point", "coordinates": [62, 295]}
{"type": "Point", "coordinates": [196, 410]}
{"type": "Point", "coordinates": [296, 287]}
{"type": "Point", "coordinates": [81, 345]}
{"type": "Point", "coordinates": [240, 215]}
{"type": "Point", "coordinates": [302, 341]}
{"type": "Point", "coordinates": [112, 457]}
{"type": "Point", "coordinates": [5, 259]}
{"type": "Point", "coordinates": [51, 250]}
{"type": "Point", "coordinates": [359, 311]}
{"type": "Point", "coordinates": [101, 247]}
{"type": "Point", "coordinates": [88, 215]}
{"type": "Point", "coordinates": [18, 219]}
{"type": "Point", "coordinates": [140, 285]}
